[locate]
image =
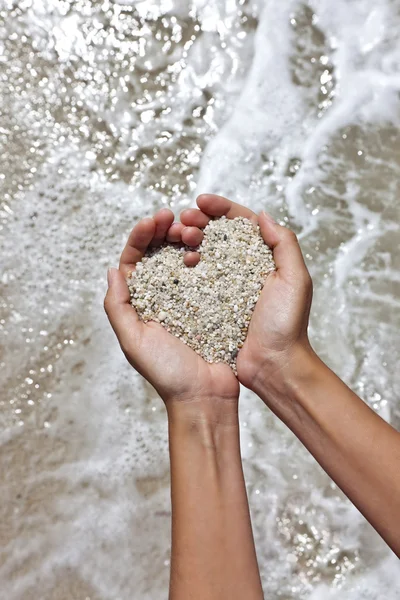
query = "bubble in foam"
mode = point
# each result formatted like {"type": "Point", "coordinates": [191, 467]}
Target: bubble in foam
{"type": "Point", "coordinates": [82, 157]}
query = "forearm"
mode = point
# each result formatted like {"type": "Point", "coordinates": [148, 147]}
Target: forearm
{"type": "Point", "coordinates": [213, 555]}
{"type": "Point", "coordinates": [358, 449]}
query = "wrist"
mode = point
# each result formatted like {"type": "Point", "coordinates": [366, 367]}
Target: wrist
{"type": "Point", "coordinates": [282, 383]}
{"type": "Point", "coordinates": [204, 411]}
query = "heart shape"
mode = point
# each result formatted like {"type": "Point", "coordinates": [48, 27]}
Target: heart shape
{"type": "Point", "coordinates": [208, 306]}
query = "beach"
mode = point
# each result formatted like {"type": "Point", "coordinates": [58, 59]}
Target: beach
{"type": "Point", "coordinates": [110, 111]}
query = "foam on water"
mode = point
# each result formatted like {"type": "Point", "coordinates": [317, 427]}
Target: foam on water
{"type": "Point", "coordinates": [110, 111]}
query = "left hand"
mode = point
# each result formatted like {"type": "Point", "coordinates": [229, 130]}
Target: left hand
{"type": "Point", "coordinates": [277, 342]}
{"type": "Point", "coordinates": [177, 372]}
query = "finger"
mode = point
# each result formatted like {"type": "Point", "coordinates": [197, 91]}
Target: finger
{"type": "Point", "coordinates": [191, 259]}
{"type": "Point", "coordinates": [122, 316]}
{"type": "Point", "coordinates": [214, 205]}
{"type": "Point", "coordinates": [174, 233]}
{"type": "Point", "coordinates": [193, 217]}
{"type": "Point", "coordinates": [192, 236]}
{"type": "Point", "coordinates": [163, 220]}
{"type": "Point", "coordinates": [284, 244]}
{"type": "Point", "coordinates": [137, 244]}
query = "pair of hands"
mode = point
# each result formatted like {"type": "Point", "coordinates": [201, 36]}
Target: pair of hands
{"type": "Point", "coordinates": [278, 328]}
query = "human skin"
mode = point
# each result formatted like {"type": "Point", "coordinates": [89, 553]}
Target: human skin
{"type": "Point", "coordinates": [213, 554]}
{"type": "Point", "coordinates": [358, 449]}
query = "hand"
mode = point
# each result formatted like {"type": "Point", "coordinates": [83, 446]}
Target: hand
{"type": "Point", "coordinates": [174, 369]}
{"type": "Point", "coordinates": [278, 329]}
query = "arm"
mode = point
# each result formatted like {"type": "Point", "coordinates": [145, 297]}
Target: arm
{"type": "Point", "coordinates": [359, 450]}
{"type": "Point", "coordinates": [213, 555]}
{"type": "Point", "coordinates": [213, 552]}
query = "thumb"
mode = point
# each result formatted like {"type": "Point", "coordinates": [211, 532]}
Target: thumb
{"type": "Point", "coordinates": [284, 245]}
{"type": "Point", "coordinates": [121, 314]}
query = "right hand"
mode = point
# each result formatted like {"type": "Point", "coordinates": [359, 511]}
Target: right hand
{"type": "Point", "coordinates": [179, 375]}
{"type": "Point", "coordinates": [277, 334]}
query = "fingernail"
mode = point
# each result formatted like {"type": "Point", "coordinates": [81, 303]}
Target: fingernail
{"type": "Point", "coordinates": [268, 217]}
{"type": "Point", "coordinates": [111, 275]}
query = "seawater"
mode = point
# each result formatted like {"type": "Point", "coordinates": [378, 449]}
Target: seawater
{"type": "Point", "coordinates": [110, 110]}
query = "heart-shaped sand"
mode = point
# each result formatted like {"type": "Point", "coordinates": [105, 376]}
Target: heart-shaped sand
{"type": "Point", "coordinates": [208, 306]}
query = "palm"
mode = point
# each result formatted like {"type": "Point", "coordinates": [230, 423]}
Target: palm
{"type": "Point", "coordinates": [174, 369]}
{"type": "Point", "coordinates": [279, 320]}
{"type": "Point", "coordinates": [275, 315]}
{"type": "Point", "coordinates": [271, 326]}
{"type": "Point", "coordinates": [281, 314]}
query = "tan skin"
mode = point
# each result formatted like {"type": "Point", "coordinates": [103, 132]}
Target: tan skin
{"type": "Point", "coordinates": [213, 554]}
{"type": "Point", "coordinates": [358, 449]}
{"type": "Point", "coordinates": [146, 345]}
{"type": "Point", "coordinates": [279, 322]}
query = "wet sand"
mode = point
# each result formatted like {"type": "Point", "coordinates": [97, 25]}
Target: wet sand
{"type": "Point", "coordinates": [286, 109]}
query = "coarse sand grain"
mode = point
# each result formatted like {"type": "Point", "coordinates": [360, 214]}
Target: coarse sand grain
{"type": "Point", "coordinates": [208, 306]}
